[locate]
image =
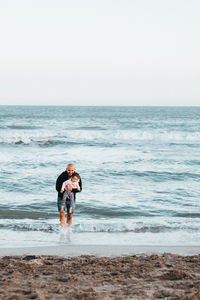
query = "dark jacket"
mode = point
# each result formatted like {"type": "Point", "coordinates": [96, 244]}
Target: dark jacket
{"type": "Point", "coordinates": [63, 177]}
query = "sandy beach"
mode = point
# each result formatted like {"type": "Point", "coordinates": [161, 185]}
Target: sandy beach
{"type": "Point", "coordinates": [100, 272]}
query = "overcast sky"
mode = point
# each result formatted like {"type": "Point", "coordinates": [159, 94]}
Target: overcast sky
{"type": "Point", "coordinates": [100, 52]}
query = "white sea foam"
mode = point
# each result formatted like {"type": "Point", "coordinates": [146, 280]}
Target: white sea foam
{"type": "Point", "coordinates": [84, 136]}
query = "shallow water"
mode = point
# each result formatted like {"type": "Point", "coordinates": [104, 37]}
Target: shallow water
{"type": "Point", "coordinates": [139, 167]}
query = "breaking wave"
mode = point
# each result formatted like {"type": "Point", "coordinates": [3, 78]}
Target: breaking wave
{"type": "Point", "coordinates": [101, 137]}
{"type": "Point", "coordinates": [102, 226]}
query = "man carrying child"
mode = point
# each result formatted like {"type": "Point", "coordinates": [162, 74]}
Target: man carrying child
{"type": "Point", "coordinates": [68, 184]}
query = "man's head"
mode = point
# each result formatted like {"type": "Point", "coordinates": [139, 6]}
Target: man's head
{"type": "Point", "coordinates": [70, 169]}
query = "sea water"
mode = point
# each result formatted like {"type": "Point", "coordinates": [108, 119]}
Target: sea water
{"type": "Point", "coordinates": [140, 169]}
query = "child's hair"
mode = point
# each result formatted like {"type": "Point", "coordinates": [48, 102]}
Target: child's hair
{"type": "Point", "coordinates": [76, 175]}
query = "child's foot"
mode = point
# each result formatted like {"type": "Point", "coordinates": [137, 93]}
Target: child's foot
{"type": "Point", "coordinates": [62, 218]}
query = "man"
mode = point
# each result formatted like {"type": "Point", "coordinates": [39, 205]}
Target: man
{"type": "Point", "coordinates": [61, 178]}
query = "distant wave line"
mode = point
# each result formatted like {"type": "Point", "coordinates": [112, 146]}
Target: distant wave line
{"type": "Point", "coordinates": [103, 137]}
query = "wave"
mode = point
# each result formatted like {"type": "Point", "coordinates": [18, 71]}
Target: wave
{"type": "Point", "coordinates": [119, 227]}
{"type": "Point", "coordinates": [25, 214]}
{"type": "Point", "coordinates": [129, 136]}
{"type": "Point", "coordinates": [111, 212]}
{"type": "Point", "coordinates": [100, 137]}
{"type": "Point", "coordinates": [102, 226]}
{"type": "Point", "coordinates": [52, 142]}
{"type": "Point", "coordinates": [90, 128]}
{"type": "Point", "coordinates": [23, 127]}
{"type": "Point", "coordinates": [158, 176]}
{"type": "Point", "coordinates": [28, 227]}
{"type": "Point", "coordinates": [41, 143]}
{"type": "Point", "coordinates": [129, 212]}
{"type": "Point", "coordinates": [187, 215]}
{"type": "Point", "coordinates": [125, 228]}
{"type": "Point", "coordinates": [35, 212]}
{"type": "Point", "coordinates": [193, 162]}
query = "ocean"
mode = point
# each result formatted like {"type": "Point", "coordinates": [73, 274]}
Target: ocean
{"type": "Point", "coordinates": [140, 169]}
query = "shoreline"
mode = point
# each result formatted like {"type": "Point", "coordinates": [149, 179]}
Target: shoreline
{"type": "Point", "coordinates": [100, 250]}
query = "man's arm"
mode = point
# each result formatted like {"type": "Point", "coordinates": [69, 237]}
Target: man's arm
{"type": "Point", "coordinates": [59, 182]}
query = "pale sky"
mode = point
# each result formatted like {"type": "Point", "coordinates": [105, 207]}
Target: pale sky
{"type": "Point", "coordinates": [100, 52]}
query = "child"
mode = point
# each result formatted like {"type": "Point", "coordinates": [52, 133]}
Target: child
{"type": "Point", "coordinates": [68, 198]}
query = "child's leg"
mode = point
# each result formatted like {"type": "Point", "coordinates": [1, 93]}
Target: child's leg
{"type": "Point", "coordinates": [70, 208]}
{"type": "Point", "coordinates": [65, 196]}
{"type": "Point", "coordinates": [71, 198]}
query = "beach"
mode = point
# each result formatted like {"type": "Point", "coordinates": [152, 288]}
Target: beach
{"type": "Point", "coordinates": [100, 272]}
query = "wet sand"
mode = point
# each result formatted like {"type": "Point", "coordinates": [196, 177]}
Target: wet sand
{"type": "Point", "coordinates": [100, 250]}
{"type": "Point", "coordinates": [141, 276]}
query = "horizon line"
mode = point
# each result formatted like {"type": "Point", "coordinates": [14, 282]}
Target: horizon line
{"type": "Point", "coordinates": [65, 105]}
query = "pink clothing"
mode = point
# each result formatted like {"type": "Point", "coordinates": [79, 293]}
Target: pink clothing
{"type": "Point", "coordinates": [74, 185]}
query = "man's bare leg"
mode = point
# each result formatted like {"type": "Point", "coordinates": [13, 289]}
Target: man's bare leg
{"type": "Point", "coordinates": [69, 219]}
{"type": "Point", "coordinates": [62, 218]}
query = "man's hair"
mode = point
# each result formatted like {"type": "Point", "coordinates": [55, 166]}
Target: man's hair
{"type": "Point", "coordinates": [76, 175]}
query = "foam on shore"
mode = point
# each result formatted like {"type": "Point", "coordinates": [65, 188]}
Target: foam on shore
{"type": "Point", "coordinates": [100, 250]}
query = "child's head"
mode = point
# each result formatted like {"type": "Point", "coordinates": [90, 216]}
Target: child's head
{"type": "Point", "coordinates": [75, 177]}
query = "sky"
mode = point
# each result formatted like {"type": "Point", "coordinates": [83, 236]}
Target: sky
{"type": "Point", "coordinates": [100, 52]}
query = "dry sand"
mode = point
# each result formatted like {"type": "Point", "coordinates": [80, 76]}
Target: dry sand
{"type": "Point", "coordinates": [141, 276]}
